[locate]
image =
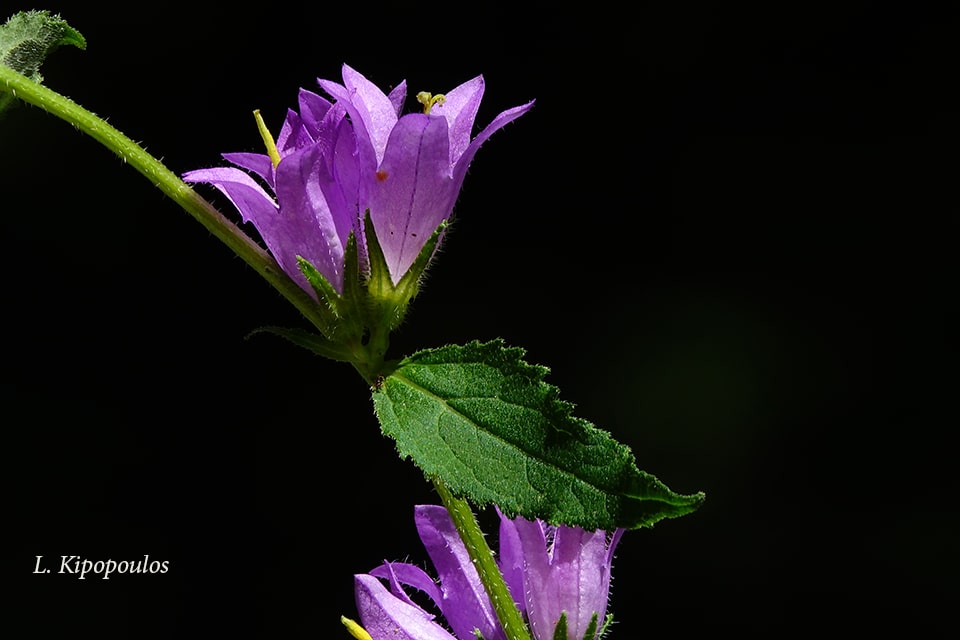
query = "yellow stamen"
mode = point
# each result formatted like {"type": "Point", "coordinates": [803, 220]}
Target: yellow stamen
{"type": "Point", "coordinates": [267, 139]}
{"type": "Point", "coordinates": [428, 100]}
{"type": "Point", "coordinates": [355, 630]}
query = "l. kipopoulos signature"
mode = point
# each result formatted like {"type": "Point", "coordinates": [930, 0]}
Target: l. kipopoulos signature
{"type": "Point", "coordinates": [82, 567]}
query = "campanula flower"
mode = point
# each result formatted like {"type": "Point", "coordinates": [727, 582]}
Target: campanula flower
{"type": "Point", "coordinates": [335, 161]}
{"type": "Point", "coordinates": [552, 572]}
{"type": "Point", "coordinates": [556, 572]}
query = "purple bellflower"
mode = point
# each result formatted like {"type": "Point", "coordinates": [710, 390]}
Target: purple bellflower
{"type": "Point", "coordinates": [554, 574]}
{"type": "Point", "coordinates": [558, 572]}
{"type": "Point", "coordinates": [335, 161]}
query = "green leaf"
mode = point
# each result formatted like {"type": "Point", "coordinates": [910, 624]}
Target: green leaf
{"type": "Point", "coordinates": [30, 36]}
{"type": "Point", "coordinates": [27, 38]}
{"type": "Point", "coordinates": [485, 422]}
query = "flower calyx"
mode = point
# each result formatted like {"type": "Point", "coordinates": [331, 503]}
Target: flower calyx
{"type": "Point", "coordinates": [357, 322]}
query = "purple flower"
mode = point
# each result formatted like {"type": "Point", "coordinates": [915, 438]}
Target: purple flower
{"type": "Point", "coordinates": [553, 570]}
{"type": "Point", "coordinates": [334, 161]}
{"type": "Point", "coordinates": [558, 570]}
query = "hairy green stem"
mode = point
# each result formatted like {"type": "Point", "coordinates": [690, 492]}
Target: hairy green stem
{"type": "Point", "coordinates": [169, 183]}
{"type": "Point", "coordinates": [472, 536]}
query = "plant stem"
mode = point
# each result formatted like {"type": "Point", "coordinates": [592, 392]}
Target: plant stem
{"type": "Point", "coordinates": [490, 576]}
{"type": "Point", "coordinates": [169, 183]}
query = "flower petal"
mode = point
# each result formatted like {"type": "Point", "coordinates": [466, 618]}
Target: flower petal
{"type": "Point", "coordinates": [412, 192]}
{"type": "Point", "coordinates": [565, 569]}
{"type": "Point", "coordinates": [542, 612]}
{"type": "Point", "coordinates": [305, 226]}
{"type": "Point", "coordinates": [341, 181]}
{"type": "Point", "coordinates": [293, 135]}
{"type": "Point", "coordinates": [374, 114]}
{"type": "Point", "coordinates": [385, 616]}
{"type": "Point", "coordinates": [511, 560]}
{"type": "Point", "coordinates": [410, 575]}
{"type": "Point", "coordinates": [258, 163]}
{"type": "Point", "coordinates": [463, 162]}
{"type": "Point", "coordinates": [580, 576]}
{"type": "Point", "coordinates": [465, 603]}
{"type": "Point", "coordinates": [313, 108]}
{"type": "Point", "coordinates": [247, 196]}
{"type": "Point", "coordinates": [460, 109]}
{"type": "Point", "coordinates": [366, 158]}
{"type": "Point", "coordinates": [398, 95]}
{"type": "Point", "coordinates": [287, 232]}
{"type": "Point", "coordinates": [378, 112]}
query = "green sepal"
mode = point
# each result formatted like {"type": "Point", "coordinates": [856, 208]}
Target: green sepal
{"type": "Point", "coordinates": [484, 422]}
{"type": "Point", "coordinates": [371, 306]}
{"type": "Point", "coordinates": [320, 285]}
{"type": "Point", "coordinates": [591, 632]}
{"type": "Point", "coordinates": [560, 631]}
{"type": "Point", "coordinates": [311, 341]}
{"type": "Point", "coordinates": [330, 301]}
{"type": "Point", "coordinates": [388, 301]}
{"type": "Point", "coordinates": [354, 299]}
{"type": "Point", "coordinates": [379, 284]}
{"type": "Point", "coordinates": [409, 284]}
{"type": "Point", "coordinates": [606, 626]}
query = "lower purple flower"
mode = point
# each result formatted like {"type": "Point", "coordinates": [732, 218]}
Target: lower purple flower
{"type": "Point", "coordinates": [561, 572]}
{"type": "Point", "coordinates": [557, 575]}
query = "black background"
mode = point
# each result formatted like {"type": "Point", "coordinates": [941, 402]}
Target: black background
{"type": "Point", "coordinates": [728, 231]}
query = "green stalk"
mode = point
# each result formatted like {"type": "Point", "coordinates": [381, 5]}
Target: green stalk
{"type": "Point", "coordinates": [206, 214]}
{"type": "Point", "coordinates": [169, 183]}
{"type": "Point", "coordinates": [472, 536]}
